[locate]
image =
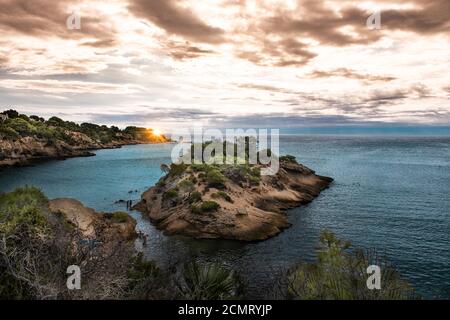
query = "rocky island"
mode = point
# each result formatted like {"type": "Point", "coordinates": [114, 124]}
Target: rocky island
{"type": "Point", "coordinates": [24, 139]}
{"type": "Point", "coordinates": [229, 201]}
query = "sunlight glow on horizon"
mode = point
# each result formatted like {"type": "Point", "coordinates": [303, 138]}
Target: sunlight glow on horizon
{"type": "Point", "coordinates": [226, 63]}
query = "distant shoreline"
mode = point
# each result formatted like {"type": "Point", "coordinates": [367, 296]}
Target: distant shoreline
{"type": "Point", "coordinates": [26, 139]}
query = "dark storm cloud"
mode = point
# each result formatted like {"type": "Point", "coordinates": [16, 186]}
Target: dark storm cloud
{"type": "Point", "coordinates": [174, 19]}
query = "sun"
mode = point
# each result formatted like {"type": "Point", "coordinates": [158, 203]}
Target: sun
{"type": "Point", "coordinates": [157, 132]}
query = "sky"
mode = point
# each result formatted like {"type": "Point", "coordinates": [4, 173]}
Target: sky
{"type": "Point", "coordinates": [227, 63]}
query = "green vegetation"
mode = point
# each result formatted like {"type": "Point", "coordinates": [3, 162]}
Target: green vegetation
{"type": "Point", "coordinates": [243, 173]}
{"type": "Point", "coordinates": [24, 207]}
{"type": "Point", "coordinates": [36, 247]}
{"type": "Point", "coordinates": [195, 197]}
{"type": "Point", "coordinates": [340, 273]}
{"type": "Point", "coordinates": [170, 194]}
{"type": "Point", "coordinates": [55, 129]}
{"type": "Point", "coordinates": [223, 195]}
{"type": "Point", "coordinates": [206, 206]}
{"type": "Point", "coordinates": [215, 179]}
{"type": "Point", "coordinates": [23, 222]}
{"type": "Point", "coordinates": [209, 282]}
{"type": "Point", "coordinates": [177, 169]}
{"type": "Point", "coordinates": [186, 186]}
{"type": "Point", "coordinates": [288, 158]}
{"type": "Point", "coordinates": [193, 179]}
{"type": "Point", "coordinates": [119, 217]}
{"type": "Point", "coordinates": [141, 268]}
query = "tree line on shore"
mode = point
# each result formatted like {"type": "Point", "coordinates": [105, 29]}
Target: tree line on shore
{"type": "Point", "coordinates": [15, 125]}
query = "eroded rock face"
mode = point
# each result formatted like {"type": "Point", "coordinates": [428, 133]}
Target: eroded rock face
{"type": "Point", "coordinates": [248, 209]}
{"type": "Point", "coordinates": [94, 225]}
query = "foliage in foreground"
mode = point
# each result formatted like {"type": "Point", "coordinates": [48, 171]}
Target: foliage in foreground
{"type": "Point", "coordinates": [36, 247]}
{"type": "Point", "coordinates": [340, 274]}
{"type": "Point", "coordinates": [209, 282]}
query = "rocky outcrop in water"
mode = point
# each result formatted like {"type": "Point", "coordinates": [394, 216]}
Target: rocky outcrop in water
{"type": "Point", "coordinates": [229, 201]}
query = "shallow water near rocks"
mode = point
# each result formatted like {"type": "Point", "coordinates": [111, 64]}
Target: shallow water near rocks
{"type": "Point", "coordinates": [390, 193]}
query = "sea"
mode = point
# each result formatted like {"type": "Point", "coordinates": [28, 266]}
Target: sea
{"type": "Point", "coordinates": [390, 193]}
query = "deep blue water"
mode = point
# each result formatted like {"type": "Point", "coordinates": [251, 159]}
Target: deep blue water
{"type": "Point", "coordinates": [390, 193]}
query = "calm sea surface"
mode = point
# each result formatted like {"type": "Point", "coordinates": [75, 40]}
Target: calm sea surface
{"type": "Point", "coordinates": [390, 193]}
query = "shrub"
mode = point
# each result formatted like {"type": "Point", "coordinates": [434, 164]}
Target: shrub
{"type": "Point", "coordinates": [200, 167]}
{"type": "Point", "coordinates": [119, 217]}
{"type": "Point", "coordinates": [141, 269]}
{"type": "Point", "coordinates": [222, 195]}
{"type": "Point", "coordinates": [177, 169]}
{"type": "Point", "coordinates": [206, 206]}
{"type": "Point", "coordinates": [21, 126]}
{"type": "Point", "coordinates": [288, 158]}
{"type": "Point", "coordinates": [244, 173]}
{"type": "Point", "coordinates": [215, 179]}
{"type": "Point", "coordinates": [8, 132]}
{"type": "Point", "coordinates": [36, 118]}
{"type": "Point", "coordinates": [193, 179]}
{"type": "Point", "coordinates": [170, 194]}
{"type": "Point", "coordinates": [195, 197]}
{"type": "Point", "coordinates": [209, 282]}
{"type": "Point", "coordinates": [55, 121]}
{"type": "Point", "coordinates": [186, 186]}
{"type": "Point", "coordinates": [11, 113]}
{"type": "Point", "coordinates": [340, 273]}
{"type": "Point", "coordinates": [255, 181]}
{"type": "Point", "coordinates": [255, 171]}
{"type": "Point", "coordinates": [23, 206]}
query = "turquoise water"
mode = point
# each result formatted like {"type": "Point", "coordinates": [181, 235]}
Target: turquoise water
{"type": "Point", "coordinates": [390, 193]}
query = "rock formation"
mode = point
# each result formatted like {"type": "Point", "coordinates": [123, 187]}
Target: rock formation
{"type": "Point", "coordinates": [229, 201]}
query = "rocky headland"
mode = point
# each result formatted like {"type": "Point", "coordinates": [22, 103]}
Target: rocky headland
{"type": "Point", "coordinates": [229, 201]}
{"type": "Point", "coordinates": [26, 139]}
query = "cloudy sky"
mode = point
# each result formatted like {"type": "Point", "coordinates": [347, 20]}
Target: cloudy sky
{"type": "Point", "coordinates": [227, 63]}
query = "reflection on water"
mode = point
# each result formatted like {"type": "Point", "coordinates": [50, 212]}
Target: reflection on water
{"type": "Point", "coordinates": [389, 193]}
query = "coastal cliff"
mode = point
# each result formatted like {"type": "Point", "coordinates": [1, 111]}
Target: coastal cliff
{"type": "Point", "coordinates": [24, 139]}
{"type": "Point", "coordinates": [229, 201]}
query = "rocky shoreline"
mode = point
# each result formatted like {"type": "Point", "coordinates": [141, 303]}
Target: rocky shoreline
{"type": "Point", "coordinates": [241, 205]}
{"type": "Point", "coordinates": [95, 226]}
{"type": "Point", "coordinates": [25, 139]}
{"type": "Point", "coordinates": [27, 150]}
